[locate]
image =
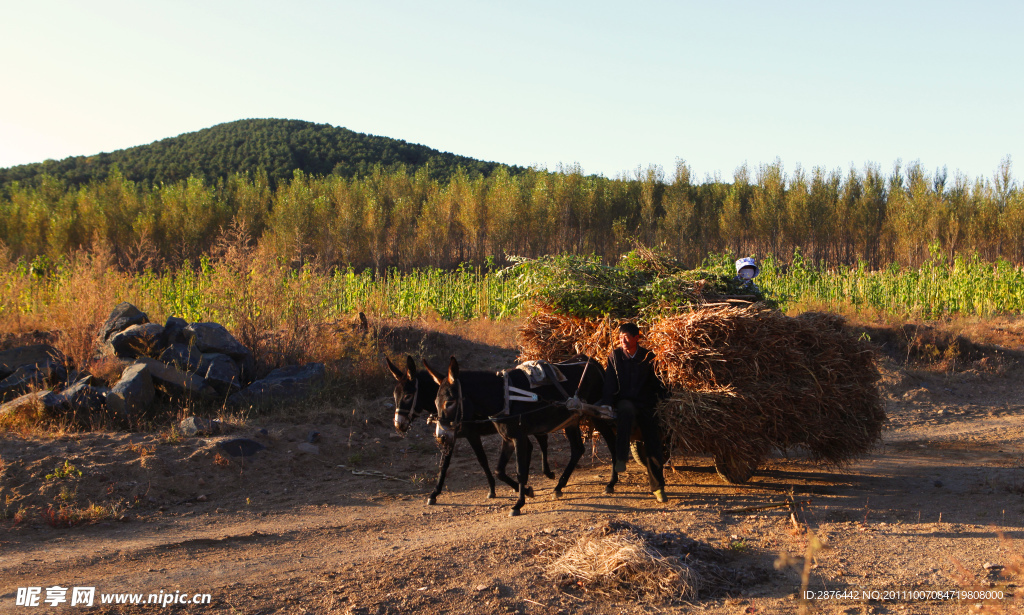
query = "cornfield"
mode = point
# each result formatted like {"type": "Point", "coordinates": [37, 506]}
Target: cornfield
{"type": "Point", "coordinates": [223, 291]}
{"type": "Point", "coordinates": [968, 287]}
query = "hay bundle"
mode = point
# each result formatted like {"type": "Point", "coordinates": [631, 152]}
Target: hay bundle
{"type": "Point", "coordinates": [554, 337]}
{"type": "Point", "coordinates": [745, 380]}
{"type": "Point", "coordinates": [620, 559]}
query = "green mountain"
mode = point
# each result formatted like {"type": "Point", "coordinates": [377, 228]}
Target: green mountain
{"type": "Point", "coordinates": [277, 147]}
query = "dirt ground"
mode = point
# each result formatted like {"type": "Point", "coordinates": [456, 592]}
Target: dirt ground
{"type": "Point", "coordinates": [938, 506]}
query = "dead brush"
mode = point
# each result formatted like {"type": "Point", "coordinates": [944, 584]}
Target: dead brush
{"type": "Point", "coordinates": [14, 288]}
{"type": "Point", "coordinates": [142, 450]}
{"type": "Point", "coordinates": [108, 369]}
{"type": "Point", "coordinates": [616, 559]}
{"type": "Point", "coordinates": [281, 314]}
{"type": "Point", "coordinates": [78, 304]}
{"type": "Point", "coordinates": [69, 515]}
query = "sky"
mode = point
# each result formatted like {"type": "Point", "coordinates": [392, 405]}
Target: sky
{"type": "Point", "coordinates": [610, 86]}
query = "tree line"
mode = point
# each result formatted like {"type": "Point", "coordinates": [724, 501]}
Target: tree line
{"type": "Point", "coordinates": [408, 218]}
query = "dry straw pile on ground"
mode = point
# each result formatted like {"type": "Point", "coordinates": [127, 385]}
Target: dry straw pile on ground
{"type": "Point", "coordinates": [744, 380]}
{"type": "Point", "coordinates": [620, 559]}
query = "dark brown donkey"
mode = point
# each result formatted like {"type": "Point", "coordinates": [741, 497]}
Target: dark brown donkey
{"type": "Point", "coordinates": [478, 399]}
{"type": "Point", "coordinates": [414, 395]}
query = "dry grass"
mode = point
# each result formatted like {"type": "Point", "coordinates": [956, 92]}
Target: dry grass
{"type": "Point", "coordinates": [619, 559]}
{"type": "Point", "coordinates": [71, 308]}
{"type": "Point", "coordinates": [624, 559]}
{"type": "Point", "coordinates": [69, 515]}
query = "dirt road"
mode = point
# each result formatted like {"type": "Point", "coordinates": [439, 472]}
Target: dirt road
{"type": "Point", "coordinates": [346, 529]}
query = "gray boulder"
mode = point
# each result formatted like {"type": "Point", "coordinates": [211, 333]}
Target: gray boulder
{"type": "Point", "coordinates": [122, 317]}
{"type": "Point", "coordinates": [212, 337]}
{"type": "Point", "coordinates": [35, 354]}
{"type": "Point", "coordinates": [67, 405]}
{"type": "Point", "coordinates": [133, 393]}
{"type": "Point", "coordinates": [82, 393]}
{"type": "Point", "coordinates": [183, 356]}
{"type": "Point", "coordinates": [221, 372]}
{"type": "Point", "coordinates": [241, 447]}
{"type": "Point", "coordinates": [282, 383]}
{"type": "Point", "coordinates": [195, 426]}
{"type": "Point", "coordinates": [174, 331]}
{"type": "Point", "coordinates": [27, 402]}
{"type": "Point", "coordinates": [31, 376]}
{"type": "Point", "coordinates": [137, 341]}
{"type": "Point", "coordinates": [77, 401]}
{"type": "Point", "coordinates": [175, 382]}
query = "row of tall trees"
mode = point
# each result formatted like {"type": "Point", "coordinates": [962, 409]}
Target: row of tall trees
{"type": "Point", "coordinates": [405, 219]}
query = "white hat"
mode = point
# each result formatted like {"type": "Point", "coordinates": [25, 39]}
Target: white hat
{"type": "Point", "coordinates": [747, 262]}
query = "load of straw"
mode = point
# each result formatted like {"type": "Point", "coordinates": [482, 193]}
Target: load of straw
{"type": "Point", "coordinates": [747, 380]}
{"type": "Point", "coordinates": [549, 336]}
{"type": "Point", "coordinates": [744, 380]}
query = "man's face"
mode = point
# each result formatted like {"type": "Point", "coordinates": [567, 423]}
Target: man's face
{"type": "Point", "coordinates": [628, 342]}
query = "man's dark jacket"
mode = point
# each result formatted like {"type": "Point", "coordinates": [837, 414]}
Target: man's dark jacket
{"type": "Point", "coordinates": [633, 379]}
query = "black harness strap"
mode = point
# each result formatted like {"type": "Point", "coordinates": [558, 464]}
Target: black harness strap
{"type": "Point", "coordinates": [550, 373]}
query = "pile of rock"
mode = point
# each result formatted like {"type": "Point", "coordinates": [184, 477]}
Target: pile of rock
{"type": "Point", "coordinates": [181, 360]}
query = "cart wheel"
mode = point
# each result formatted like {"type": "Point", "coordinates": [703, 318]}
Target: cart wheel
{"type": "Point", "coordinates": [734, 470]}
{"type": "Point", "coordinates": [639, 451]}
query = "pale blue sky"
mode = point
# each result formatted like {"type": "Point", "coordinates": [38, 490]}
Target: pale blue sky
{"type": "Point", "coordinates": [611, 86]}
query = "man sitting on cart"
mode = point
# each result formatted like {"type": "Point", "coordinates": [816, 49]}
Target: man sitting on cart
{"type": "Point", "coordinates": [632, 387]}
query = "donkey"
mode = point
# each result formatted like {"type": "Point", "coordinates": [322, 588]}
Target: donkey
{"type": "Point", "coordinates": [414, 394]}
{"type": "Point", "coordinates": [479, 398]}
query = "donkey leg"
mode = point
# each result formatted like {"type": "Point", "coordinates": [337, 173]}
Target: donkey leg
{"type": "Point", "coordinates": [481, 456]}
{"type": "Point", "coordinates": [507, 447]}
{"type": "Point", "coordinates": [542, 444]}
{"type": "Point", "coordinates": [576, 449]}
{"type": "Point", "coordinates": [608, 435]}
{"type": "Point", "coordinates": [445, 460]}
{"type": "Point", "coordinates": [524, 449]}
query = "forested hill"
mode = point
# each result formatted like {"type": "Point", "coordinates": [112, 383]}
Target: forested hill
{"type": "Point", "coordinates": [277, 147]}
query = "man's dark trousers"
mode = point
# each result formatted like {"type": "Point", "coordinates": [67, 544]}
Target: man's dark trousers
{"type": "Point", "coordinates": [628, 415]}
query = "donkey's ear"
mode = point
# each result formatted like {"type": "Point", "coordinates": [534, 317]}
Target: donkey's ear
{"type": "Point", "coordinates": [438, 378]}
{"type": "Point", "coordinates": [397, 373]}
{"type": "Point", "coordinates": [453, 371]}
{"type": "Point", "coordinates": [410, 367]}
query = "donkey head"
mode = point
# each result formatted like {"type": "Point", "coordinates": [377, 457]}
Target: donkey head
{"type": "Point", "coordinates": [407, 404]}
{"type": "Point", "coordinates": [448, 403]}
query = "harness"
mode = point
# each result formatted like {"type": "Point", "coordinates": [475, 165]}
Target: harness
{"type": "Point", "coordinates": [415, 398]}
{"type": "Point", "coordinates": [515, 394]}
{"type": "Point", "coordinates": [460, 412]}
{"type": "Point", "coordinates": [512, 393]}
